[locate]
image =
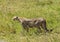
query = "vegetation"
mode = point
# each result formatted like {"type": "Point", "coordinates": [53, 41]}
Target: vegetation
{"type": "Point", "coordinates": [48, 9]}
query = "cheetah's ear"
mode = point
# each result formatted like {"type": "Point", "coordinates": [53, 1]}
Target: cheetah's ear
{"type": "Point", "coordinates": [17, 17]}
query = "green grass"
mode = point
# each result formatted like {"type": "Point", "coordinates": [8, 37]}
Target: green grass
{"type": "Point", "coordinates": [48, 9]}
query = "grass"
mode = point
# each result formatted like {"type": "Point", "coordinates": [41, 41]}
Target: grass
{"type": "Point", "coordinates": [48, 9]}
